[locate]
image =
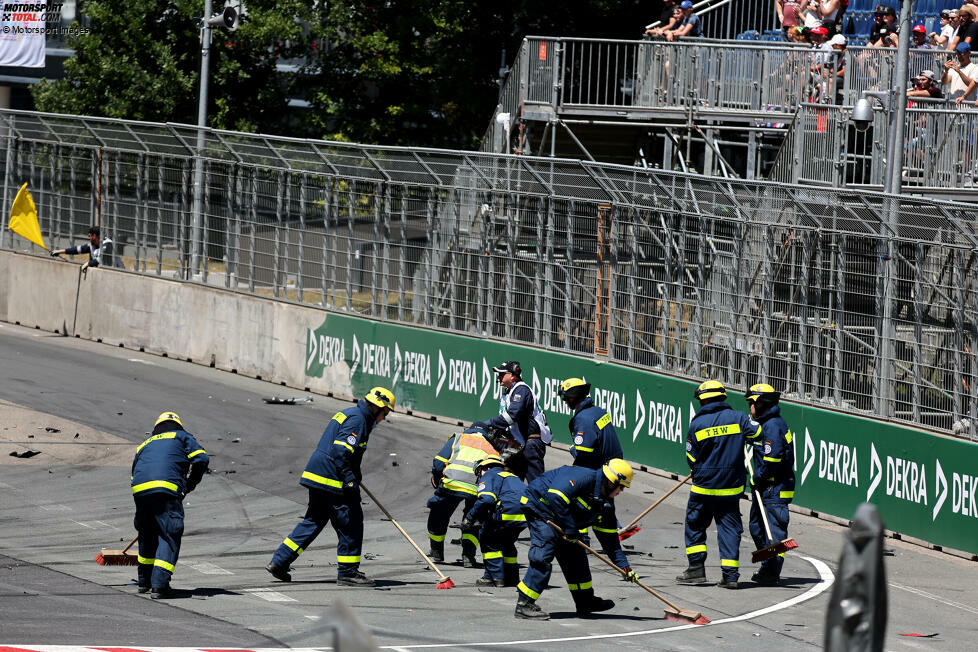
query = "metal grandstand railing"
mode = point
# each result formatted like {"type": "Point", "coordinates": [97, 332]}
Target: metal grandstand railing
{"type": "Point", "coordinates": [855, 300]}
{"type": "Point", "coordinates": [762, 85]}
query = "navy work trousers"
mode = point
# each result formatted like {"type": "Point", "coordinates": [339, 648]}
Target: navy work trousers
{"type": "Point", "coordinates": [345, 513]}
{"type": "Point", "coordinates": [545, 546]}
{"type": "Point", "coordinates": [725, 510]}
{"type": "Point", "coordinates": [533, 451]}
{"type": "Point", "coordinates": [159, 522]}
{"type": "Point", "coordinates": [441, 506]}
{"type": "Point", "coordinates": [777, 518]}
{"type": "Point", "coordinates": [498, 542]}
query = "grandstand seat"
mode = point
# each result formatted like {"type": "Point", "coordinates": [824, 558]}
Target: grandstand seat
{"type": "Point", "coordinates": [749, 35]}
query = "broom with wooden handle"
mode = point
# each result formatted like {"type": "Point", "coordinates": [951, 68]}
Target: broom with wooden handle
{"type": "Point", "coordinates": [675, 613]}
{"type": "Point", "coordinates": [632, 529]}
{"type": "Point", "coordinates": [446, 582]}
{"type": "Point", "coordinates": [118, 557]}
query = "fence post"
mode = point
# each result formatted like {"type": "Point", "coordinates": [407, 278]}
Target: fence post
{"type": "Point", "coordinates": [8, 167]}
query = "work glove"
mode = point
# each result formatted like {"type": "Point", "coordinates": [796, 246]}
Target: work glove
{"type": "Point", "coordinates": [435, 480]}
{"type": "Point", "coordinates": [85, 267]}
{"type": "Point", "coordinates": [55, 253]}
{"type": "Point", "coordinates": [630, 575]}
{"type": "Point", "coordinates": [572, 539]}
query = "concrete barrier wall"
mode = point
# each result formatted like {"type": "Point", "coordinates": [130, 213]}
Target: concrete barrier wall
{"type": "Point", "coordinates": [225, 329]}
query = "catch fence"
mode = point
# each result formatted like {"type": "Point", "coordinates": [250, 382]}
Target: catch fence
{"type": "Point", "coordinates": [852, 300]}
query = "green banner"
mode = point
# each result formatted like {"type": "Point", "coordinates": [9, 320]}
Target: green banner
{"type": "Point", "coordinates": [921, 482]}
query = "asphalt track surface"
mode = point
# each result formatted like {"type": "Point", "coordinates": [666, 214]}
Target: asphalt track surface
{"type": "Point", "coordinates": [61, 506]}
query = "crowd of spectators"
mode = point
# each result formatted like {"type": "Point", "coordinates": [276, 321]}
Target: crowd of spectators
{"type": "Point", "coordinates": [677, 21]}
{"type": "Point", "coordinates": [819, 24]}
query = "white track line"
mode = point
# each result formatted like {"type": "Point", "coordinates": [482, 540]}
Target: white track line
{"type": "Point", "coordinates": [270, 595]}
{"type": "Point", "coordinates": [826, 579]}
{"type": "Point", "coordinates": [937, 598]}
{"type": "Point", "coordinates": [208, 568]}
{"type": "Point", "coordinates": [825, 574]}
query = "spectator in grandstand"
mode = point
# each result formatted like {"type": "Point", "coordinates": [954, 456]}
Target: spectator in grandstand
{"type": "Point", "coordinates": [838, 44]}
{"type": "Point", "coordinates": [828, 66]}
{"type": "Point", "coordinates": [885, 32]}
{"type": "Point", "coordinates": [824, 13]}
{"type": "Point", "coordinates": [796, 34]}
{"type": "Point", "coordinates": [670, 25]}
{"type": "Point", "coordinates": [943, 39]}
{"type": "Point", "coordinates": [926, 86]}
{"type": "Point", "coordinates": [822, 54]}
{"type": "Point", "coordinates": [919, 36]}
{"type": "Point", "coordinates": [790, 13]}
{"type": "Point", "coordinates": [665, 18]}
{"type": "Point", "coordinates": [960, 74]}
{"type": "Point", "coordinates": [967, 27]}
{"type": "Point", "coordinates": [691, 24]}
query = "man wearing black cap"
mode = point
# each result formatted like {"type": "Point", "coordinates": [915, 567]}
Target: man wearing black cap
{"type": "Point", "coordinates": [949, 25]}
{"type": "Point", "coordinates": [885, 31]}
{"type": "Point", "coordinates": [521, 416]}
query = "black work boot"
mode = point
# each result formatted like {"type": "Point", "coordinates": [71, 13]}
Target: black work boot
{"type": "Point", "coordinates": [765, 578]}
{"type": "Point", "coordinates": [436, 552]}
{"type": "Point", "coordinates": [695, 574]}
{"type": "Point", "coordinates": [527, 609]}
{"type": "Point", "coordinates": [593, 604]}
{"type": "Point", "coordinates": [161, 593]}
{"type": "Point", "coordinates": [469, 562]}
{"type": "Point", "coordinates": [278, 572]}
{"type": "Point", "coordinates": [357, 579]}
{"type": "Point", "coordinates": [488, 581]}
{"type": "Point", "coordinates": [729, 583]}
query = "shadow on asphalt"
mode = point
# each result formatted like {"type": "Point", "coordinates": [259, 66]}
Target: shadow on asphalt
{"type": "Point", "coordinates": [572, 615]}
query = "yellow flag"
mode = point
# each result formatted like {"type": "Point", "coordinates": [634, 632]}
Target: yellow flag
{"type": "Point", "coordinates": [23, 218]}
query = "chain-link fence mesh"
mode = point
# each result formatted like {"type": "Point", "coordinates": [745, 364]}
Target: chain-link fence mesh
{"type": "Point", "coordinates": [852, 300]}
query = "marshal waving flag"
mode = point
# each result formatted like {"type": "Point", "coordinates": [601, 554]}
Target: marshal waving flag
{"type": "Point", "coordinates": [23, 218]}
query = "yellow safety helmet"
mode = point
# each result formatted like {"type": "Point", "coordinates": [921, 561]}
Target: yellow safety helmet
{"type": "Point", "coordinates": [168, 416]}
{"type": "Point", "coordinates": [763, 393]}
{"type": "Point", "coordinates": [619, 472]}
{"type": "Point", "coordinates": [381, 397]}
{"type": "Point", "coordinates": [574, 389]}
{"type": "Point", "coordinates": [486, 462]}
{"type": "Point", "coordinates": [710, 389]}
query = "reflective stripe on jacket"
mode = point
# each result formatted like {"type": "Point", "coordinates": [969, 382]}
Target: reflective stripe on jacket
{"type": "Point", "coordinates": [595, 440]}
{"type": "Point", "coordinates": [499, 494]}
{"type": "Point", "coordinates": [335, 464]}
{"type": "Point", "coordinates": [162, 461]}
{"type": "Point", "coordinates": [715, 449]}
{"type": "Point", "coordinates": [773, 457]}
{"type": "Point", "coordinates": [467, 449]}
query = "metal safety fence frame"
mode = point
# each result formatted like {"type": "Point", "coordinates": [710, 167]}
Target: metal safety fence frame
{"type": "Point", "coordinates": [848, 299]}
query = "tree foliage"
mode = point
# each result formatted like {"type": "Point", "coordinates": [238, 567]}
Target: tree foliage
{"type": "Point", "coordinates": [406, 72]}
{"type": "Point", "coordinates": [141, 60]}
